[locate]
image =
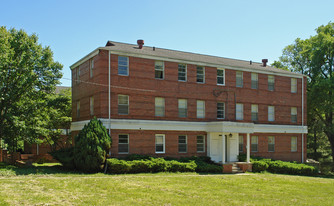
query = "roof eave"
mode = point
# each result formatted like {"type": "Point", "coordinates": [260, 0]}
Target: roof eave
{"type": "Point", "coordinates": [85, 58]}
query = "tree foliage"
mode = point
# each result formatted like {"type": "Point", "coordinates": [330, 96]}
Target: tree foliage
{"type": "Point", "coordinates": [28, 74]}
{"type": "Point", "coordinates": [91, 146]}
{"type": "Point", "coordinates": [314, 57]}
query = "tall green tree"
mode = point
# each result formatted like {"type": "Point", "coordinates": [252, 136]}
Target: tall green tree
{"type": "Point", "coordinates": [28, 74]}
{"type": "Point", "coordinates": [314, 57]}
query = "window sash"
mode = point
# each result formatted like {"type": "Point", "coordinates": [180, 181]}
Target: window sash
{"type": "Point", "coordinates": [200, 109]}
{"type": "Point", "coordinates": [220, 110]}
{"type": "Point", "coordinates": [78, 109]}
{"type": "Point", "coordinates": [91, 104]}
{"type": "Point", "coordinates": [159, 143]}
{"type": "Point", "coordinates": [254, 143]}
{"type": "Point", "coordinates": [159, 107]}
{"type": "Point", "coordinates": [182, 107]}
{"type": "Point", "coordinates": [182, 72]}
{"type": "Point", "coordinates": [123, 143]}
{"type": "Point", "coordinates": [294, 114]}
{"type": "Point", "coordinates": [123, 65]}
{"type": "Point", "coordinates": [271, 113]}
{"type": "Point", "coordinates": [239, 79]}
{"type": "Point", "coordinates": [239, 112]}
{"type": "Point", "coordinates": [221, 76]}
{"type": "Point", "coordinates": [241, 143]}
{"type": "Point", "coordinates": [200, 77]}
{"type": "Point", "coordinates": [123, 104]}
{"type": "Point", "coordinates": [182, 144]}
{"type": "Point", "coordinates": [293, 144]}
{"type": "Point", "coordinates": [293, 85]}
{"type": "Point", "coordinates": [254, 80]}
{"type": "Point", "coordinates": [271, 144]}
{"type": "Point", "coordinates": [254, 112]}
{"type": "Point", "coordinates": [200, 143]}
{"type": "Point", "coordinates": [271, 83]}
{"type": "Point", "coordinates": [159, 69]}
{"type": "Point", "coordinates": [91, 68]}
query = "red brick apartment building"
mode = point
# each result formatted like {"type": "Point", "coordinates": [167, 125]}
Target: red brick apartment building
{"type": "Point", "coordinates": [164, 102]}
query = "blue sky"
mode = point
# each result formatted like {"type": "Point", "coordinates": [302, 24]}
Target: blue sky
{"type": "Point", "coordinates": [240, 29]}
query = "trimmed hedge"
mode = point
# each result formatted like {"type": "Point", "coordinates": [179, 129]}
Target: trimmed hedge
{"type": "Point", "coordinates": [259, 166]}
{"type": "Point", "coordinates": [116, 166]}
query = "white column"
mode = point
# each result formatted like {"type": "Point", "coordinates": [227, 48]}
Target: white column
{"type": "Point", "coordinates": [223, 149]}
{"type": "Point", "coordinates": [248, 148]}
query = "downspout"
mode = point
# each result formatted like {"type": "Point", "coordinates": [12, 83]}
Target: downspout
{"type": "Point", "coordinates": [109, 121]}
{"type": "Point", "coordinates": [303, 119]}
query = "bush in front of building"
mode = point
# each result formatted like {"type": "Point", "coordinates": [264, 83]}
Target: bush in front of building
{"type": "Point", "coordinates": [65, 156]}
{"type": "Point", "coordinates": [259, 166]}
{"type": "Point", "coordinates": [116, 166]}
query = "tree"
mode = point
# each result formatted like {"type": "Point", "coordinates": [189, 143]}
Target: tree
{"type": "Point", "coordinates": [314, 57]}
{"type": "Point", "coordinates": [28, 74]}
{"type": "Point", "coordinates": [91, 146]}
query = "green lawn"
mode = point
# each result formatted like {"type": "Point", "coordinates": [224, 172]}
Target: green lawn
{"type": "Point", "coordinates": [50, 185]}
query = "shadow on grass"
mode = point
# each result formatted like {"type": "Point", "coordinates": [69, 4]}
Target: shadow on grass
{"type": "Point", "coordinates": [43, 169]}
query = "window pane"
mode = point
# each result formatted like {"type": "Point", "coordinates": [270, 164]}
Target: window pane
{"type": "Point", "coordinates": [159, 143]}
{"type": "Point", "coordinates": [293, 85]}
{"type": "Point", "coordinates": [182, 143]}
{"type": "Point", "coordinates": [182, 71]}
{"type": "Point", "coordinates": [159, 106]}
{"type": "Point", "coordinates": [239, 80]}
{"type": "Point", "coordinates": [123, 104]}
{"type": "Point", "coordinates": [271, 144]}
{"type": "Point", "coordinates": [123, 143]}
{"type": "Point", "coordinates": [254, 143]}
{"type": "Point", "coordinates": [200, 143]}
{"type": "Point", "coordinates": [159, 69]}
{"type": "Point", "coordinates": [182, 108]}
{"type": "Point", "coordinates": [239, 111]}
{"type": "Point", "coordinates": [123, 65]}
{"type": "Point", "coordinates": [271, 83]}
{"type": "Point", "coordinates": [254, 83]}
{"type": "Point", "coordinates": [293, 144]}
{"type": "Point", "coordinates": [220, 76]}
{"type": "Point", "coordinates": [200, 74]}
{"type": "Point", "coordinates": [241, 143]}
{"type": "Point", "coordinates": [220, 110]}
{"type": "Point", "coordinates": [271, 113]}
{"type": "Point", "coordinates": [254, 110]}
{"type": "Point", "coordinates": [200, 109]}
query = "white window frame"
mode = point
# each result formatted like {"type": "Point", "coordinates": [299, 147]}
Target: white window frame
{"type": "Point", "coordinates": [91, 67]}
{"type": "Point", "coordinates": [273, 137]}
{"type": "Point", "coordinates": [157, 107]}
{"type": "Point", "coordinates": [255, 143]}
{"type": "Point", "coordinates": [223, 111]}
{"type": "Point", "coordinates": [197, 74]}
{"type": "Point", "coordinates": [293, 85]}
{"type": "Point", "coordinates": [241, 142]}
{"type": "Point", "coordinates": [200, 111]}
{"type": "Point", "coordinates": [128, 105]}
{"type": "Point", "coordinates": [163, 142]}
{"type": "Point", "coordinates": [158, 69]}
{"type": "Point", "coordinates": [178, 144]}
{"type": "Point", "coordinates": [239, 111]}
{"type": "Point", "coordinates": [222, 84]}
{"type": "Point", "coordinates": [271, 113]}
{"type": "Point", "coordinates": [271, 80]}
{"type": "Point", "coordinates": [294, 143]}
{"type": "Point", "coordinates": [237, 76]}
{"type": "Point", "coordinates": [128, 139]}
{"type": "Point", "coordinates": [186, 107]}
{"type": "Point", "coordinates": [197, 144]}
{"type": "Point", "coordinates": [179, 72]}
{"type": "Point", "coordinates": [255, 110]}
{"type": "Point", "coordinates": [255, 79]}
{"type": "Point", "coordinates": [127, 66]}
{"type": "Point", "coordinates": [294, 115]}
{"type": "Point", "coordinates": [91, 105]}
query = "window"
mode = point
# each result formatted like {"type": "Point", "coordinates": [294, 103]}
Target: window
{"type": "Point", "coordinates": [123, 65]}
{"type": "Point", "coordinates": [271, 144]}
{"type": "Point", "coordinates": [239, 79]}
{"type": "Point", "coordinates": [200, 74]}
{"type": "Point", "coordinates": [293, 144]}
{"type": "Point", "coordinates": [271, 83]}
{"type": "Point", "coordinates": [159, 107]}
{"type": "Point", "coordinates": [91, 105]}
{"type": "Point", "coordinates": [294, 114]}
{"type": "Point", "coordinates": [91, 68]}
{"type": "Point", "coordinates": [123, 143]}
{"type": "Point", "coordinates": [221, 76]}
{"type": "Point", "coordinates": [241, 143]}
{"type": "Point", "coordinates": [271, 113]}
{"type": "Point", "coordinates": [78, 75]}
{"type": "Point", "coordinates": [200, 109]}
{"type": "Point", "coordinates": [220, 110]}
{"type": "Point", "coordinates": [123, 104]}
{"type": "Point", "coordinates": [182, 143]}
{"type": "Point", "coordinates": [183, 108]}
{"type": "Point", "coordinates": [239, 112]}
{"type": "Point", "coordinates": [255, 81]}
{"type": "Point", "coordinates": [159, 69]}
{"type": "Point", "coordinates": [200, 143]}
{"type": "Point", "coordinates": [78, 109]}
{"type": "Point", "coordinates": [182, 70]}
{"type": "Point", "coordinates": [159, 143]}
{"type": "Point", "coordinates": [254, 143]}
{"type": "Point", "coordinates": [255, 111]}
{"type": "Point", "coordinates": [293, 85]}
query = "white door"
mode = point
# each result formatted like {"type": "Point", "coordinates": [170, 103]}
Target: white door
{"type": "Point", "coordinates": [215, 152]}
{"type": "Point", "coordinates": [233, 150]}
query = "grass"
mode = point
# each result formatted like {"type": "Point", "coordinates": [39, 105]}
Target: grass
{"type": "Point", "coordinates": [51, 185]}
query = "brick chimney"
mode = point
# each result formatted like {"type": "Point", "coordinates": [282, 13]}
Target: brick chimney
{"type": "Point", "coordinates": [264, 62]}
{"type": "Point", "coordinates": [140, 43]}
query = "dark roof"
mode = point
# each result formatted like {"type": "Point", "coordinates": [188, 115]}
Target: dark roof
{"type": "Point", "coordinates": [180, 55]}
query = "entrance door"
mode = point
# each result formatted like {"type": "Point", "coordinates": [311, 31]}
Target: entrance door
{"type": "Point", "coordinates": [215, 153]}
{"type": "Point", "coordinates": [233, 150]}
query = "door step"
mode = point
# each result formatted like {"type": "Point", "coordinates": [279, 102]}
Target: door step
{"type": "Point", "coordinates": [236, 169]}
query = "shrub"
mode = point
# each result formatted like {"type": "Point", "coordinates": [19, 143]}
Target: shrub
{"type": "Point", "coordinates": [91, 146]}
{"type": "Point", "coordinates": [65, 156]}
{"type": "Point", "coordinates": [175, 166]}
{"type": "Point", "coordinates": [137, 157]}
{"type": "Point", "coordinates": [117, 166]}
{"type": "Point", "coordinates": [259, 166]}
